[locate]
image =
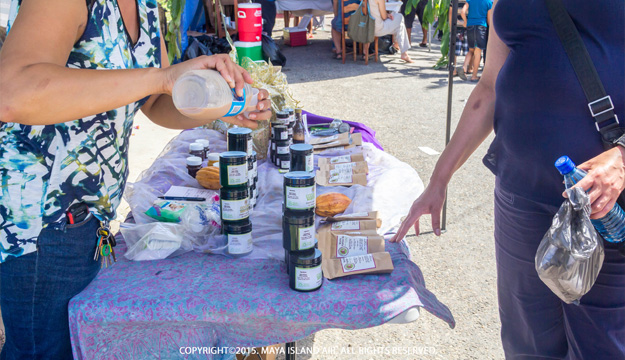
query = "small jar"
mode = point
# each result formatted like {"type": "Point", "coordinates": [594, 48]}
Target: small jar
{"type": "Point", "coordinates": [206, 145]}
{"type": "Point", "coordinates": [298, 231]}
{"type": "Point", "coordinates": [302, 157]}
{"type": "Point", "coordinates": [212, 158]}
{"type": "Point", "coordinates": [194, 164]}
{"type": "Point", "coordinates": [240, 139]}
{"type": "Point", "coordinates": [305, 272]}
{"type": "Point", "coordinates": [197, 149]}
{"type": "Point", "coordinates": [291, 114]}
{"type": "Point", "coordinates": [299, 191]}
{"type": "Point", "coordinates": [283, 161]}
{"type": "Point", "coordinates": [234, 204]}
{"type": "Point", "coordinates": [280, 132]}
{"type": "Point", "coordinates": [233, 169]}
{"type": "Point", "coordinates": [282, 117]}
{"type": "Point", "coordinates": [239, 236]}
{"type": "Point", "coordinates": [282, 147]}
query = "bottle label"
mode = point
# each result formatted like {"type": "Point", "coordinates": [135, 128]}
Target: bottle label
{"type": "Point", "coordinates": [300, 198]}
{"type": "Point", "coordinates": [341, 159]}
{"type": "Point", "coordinates": [240, 244]}
{"type": "Point", "coordinates": [351, 246]}
{"type": "Point", "coordinates": [346, 225]}
{"type": "Point", "coordinates": [237, 174]}
{"type": "Point", "coordinates": [306, 238]}
{"type": "Point", "coordinates": [238, 104]}
{"type": "Point", "coordinates": [235, 209]}
{"type": "Point", "coordinates": [310, 163]}
{"type": "Point", "coordinates": [357, 263]}
{"type": "Point", "coordinates": [308, 278]}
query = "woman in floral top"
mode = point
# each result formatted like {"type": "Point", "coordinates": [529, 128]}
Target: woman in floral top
{"type": "Point", "coordinates": [64, 131]}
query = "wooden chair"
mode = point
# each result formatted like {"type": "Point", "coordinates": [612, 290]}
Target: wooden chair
{"type": "Point", "coordinates": [364, 47]}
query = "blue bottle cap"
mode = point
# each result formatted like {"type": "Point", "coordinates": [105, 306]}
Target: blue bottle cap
{"type": "Point", "coordinates": [565, 165]}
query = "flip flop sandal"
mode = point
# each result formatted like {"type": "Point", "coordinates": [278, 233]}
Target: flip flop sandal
{"type": "Point", "coordinates": [476, 80]}
{"type": "Point", "coordinates": [461, 73]}
{"type": "Point", "coordinates": [423, 45]}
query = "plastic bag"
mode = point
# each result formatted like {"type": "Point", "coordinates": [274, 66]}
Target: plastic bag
{"type": "Point", "coordinates": [570, 255]}
{"type": "Point", "coordinates": [272, 52]}
{"type": "Point", "coordinates": [154, 241]}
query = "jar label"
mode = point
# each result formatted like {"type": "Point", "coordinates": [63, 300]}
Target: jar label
{"type": "Point", "coordinates": [250, 146]}
{"type": "Point", "coordinates": [240, 244]}
{"type": "Point", "coordinates": [357, 263]}
{"type": "Point", "coordinates": [284, 135]}
{"type": "Point", "coordinates": [237, 174]}
{"type": "Point", "coordinates": [345, 167]}
{"type": "Point", "coordinates": [346, 225]}
{"type": "Point", "coordinates": [306, 238]}
{"type": "Point", "coordinates": [285, 164]}
{"type": "Point", "coordinates": [235, 209]}
{"type": "Point", "coordinates": [308, 278]}
{"type": "Point", "coordinates": [273, 146]}
{"type": "Point", "coordinates": [337, 177]}
{"type": "Point", "coordinates": [283, 149]}
{"type": "Point", "coordinates": [290, 131]}
{"type": "Point", "coordinates": [351, 246]}
{"type": "Point", "coordinates": [310, 163]}
{"type": "Point", "coordinates": [341, 159]}
{"type": "Point", "coordinates": [300, 198]}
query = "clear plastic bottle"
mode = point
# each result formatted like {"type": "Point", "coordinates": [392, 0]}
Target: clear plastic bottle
{"type": "Point", "coordinates": [205, 95]}
{"type": "Point", "coordinates": [612, 226]}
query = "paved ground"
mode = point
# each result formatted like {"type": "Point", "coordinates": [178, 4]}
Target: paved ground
{"type": "Point", "coordinates": [406, 105]}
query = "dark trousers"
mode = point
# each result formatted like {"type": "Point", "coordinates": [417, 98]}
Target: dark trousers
{"type": "Point", "coordinates": [36, 290]}
{"type": "Point", "coordinates": [268, 8]}
{"type": "Point", "coordinates": [535, 323]}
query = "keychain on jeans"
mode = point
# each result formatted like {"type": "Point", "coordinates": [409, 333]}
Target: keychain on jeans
{"type": "Point", "coordinates": [106, 243]}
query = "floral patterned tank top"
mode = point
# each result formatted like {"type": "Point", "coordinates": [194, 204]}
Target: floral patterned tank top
{"type": "Point", "coordinates": [44, 169]}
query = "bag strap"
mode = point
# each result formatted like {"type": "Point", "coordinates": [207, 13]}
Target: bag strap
{"type": "Point", "coordinates": [599, 102]}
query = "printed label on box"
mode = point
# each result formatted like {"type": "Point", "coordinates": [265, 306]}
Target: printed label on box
{"type": "Point", "coordinates": [351, 246]}
{"type": "Point", "coordinates": [357, 263]}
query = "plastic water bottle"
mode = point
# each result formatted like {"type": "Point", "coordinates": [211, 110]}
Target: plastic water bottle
{"type": "Point", "coordinates": [612, 226]}
{"type": "Point", "coordinates": [205, 95]}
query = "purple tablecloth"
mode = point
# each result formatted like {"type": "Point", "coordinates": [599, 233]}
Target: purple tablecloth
{"type": "Point", "coordinates": [150, 309]}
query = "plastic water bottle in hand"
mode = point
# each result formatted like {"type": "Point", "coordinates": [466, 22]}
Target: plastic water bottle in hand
{"type": "Point", "coordinates": [612, 226]}
{"type": "Point", "coordinates": [205, 95]}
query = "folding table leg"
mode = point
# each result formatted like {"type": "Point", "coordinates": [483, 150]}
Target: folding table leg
{"type": "Point", "coordinates": [291, 350]}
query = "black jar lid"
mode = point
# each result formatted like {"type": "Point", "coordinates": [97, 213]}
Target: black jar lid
{"type": "Point", "coordinates": [232, 157]}
{"type": "Point", "coordinates": [302, 218]}
{"type": "Point", "coordinates": [282, 114]}
{"type": "Point", "coordinates": [241, 227]}
{"type": "Point", "coordinates": [240, 131]}
{"type": "Point", "coordinates": [299, 178]}
{"type": "Point", "coordinates": [238, 193]}
{"type": "Point", "coordinates": [310, 257]}
{"type": "Point", "coordinates": [301, 149]}
{"type": "Point", "coordinates": [286, 156]}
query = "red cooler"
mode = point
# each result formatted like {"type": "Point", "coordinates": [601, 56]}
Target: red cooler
{"type": "Point", "coordinates": [250, 26]}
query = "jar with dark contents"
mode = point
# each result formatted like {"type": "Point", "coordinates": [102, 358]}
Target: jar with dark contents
{"type": "Point", "coordinates": [239, 237]}
{"type": "Point", "coordinates": [282, 147]}
{"type": "Point", "coordinates": [194, 164]}
{"type": "Point", "coordinates": [302, 157]}
{"type": "Point", "coordinates": [233, 169]}
{"type": "Point", "coordinates": [280, 132]}
{"type": "Point", "coordinates": [206, 144]}
{"type": "Point", "coordinates": [283, 161]}
{"type": "Point", "coordinates": [240, 139]}
{"type": "Point", "coordinates": [299, 191]}
{"type": "Point", "coordinates": [234, 204]}
{"type": "Point", "coordinates": [282, 117]}
{"type": "Point", "coordinates": [305, 272]}
{"type": "Point", "coordinates": [298, 231]}
{"type": "Point", "coordinates": [197, 149]}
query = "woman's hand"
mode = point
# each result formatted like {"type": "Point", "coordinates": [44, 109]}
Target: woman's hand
{"type": "Point", "coordinates": [430, 202]}
{"type": "Point", "coordinates": [605, 180]}
{"type": "Point", "coordinates": [263, 112]}
{"type": "Point", "coordinates": [234, 75]}
{"type": "Point", "coordinates": [390, 16]}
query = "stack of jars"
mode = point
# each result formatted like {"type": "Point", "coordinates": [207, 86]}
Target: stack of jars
{"type": "Point", "coordinates": [282, 138]}
{"type": "Point", "coordinates": [235, 202]}
{"type": "Point", "coordinates": [240, 139]}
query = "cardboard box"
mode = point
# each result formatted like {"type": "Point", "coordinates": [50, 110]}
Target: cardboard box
{"type": "Point", "coordinates": [295, 36]}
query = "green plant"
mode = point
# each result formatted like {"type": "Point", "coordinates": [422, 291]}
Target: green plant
{"type": "Point", "coordinates": [174, 9]}
{"type": "Point", "coordinates": [436, 9]}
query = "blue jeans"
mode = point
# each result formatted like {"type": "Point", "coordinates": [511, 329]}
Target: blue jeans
{"type": "Point", "coordinates": [535, 323]}
{"type": "Point", "coordinates": [36, 288]}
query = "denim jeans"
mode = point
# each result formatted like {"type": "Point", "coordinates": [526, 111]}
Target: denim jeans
{"type": "Point", "coordinates": [36, 288]}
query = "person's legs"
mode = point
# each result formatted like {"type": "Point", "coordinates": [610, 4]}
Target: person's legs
{"type": "Point", "coordinates": [408, 19]}
{"type": "Point", "coordinates": [532, 322]}
{"type": "Point", "coordinates": [480, 44]}
{"type": "Point", "coordinates": [476, 58]}
{"type": "Point", "coordinates": [268, 8]}
{"type": "Point", "coordinates": [420, 10]}
{"type": "Point", "coordinates": [402, 37]}
{"type": "Point", "coordinates": [601, 313]}
{"type": "Point", "coordinates": [36, 290]}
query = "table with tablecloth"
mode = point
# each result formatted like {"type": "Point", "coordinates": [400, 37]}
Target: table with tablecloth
{"type": "Point", "coordinates": [150, 309]}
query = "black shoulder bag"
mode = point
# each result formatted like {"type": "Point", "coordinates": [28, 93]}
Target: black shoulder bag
{"type": "Point", "coordinates": [599, 102]}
